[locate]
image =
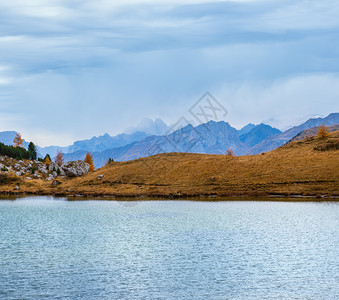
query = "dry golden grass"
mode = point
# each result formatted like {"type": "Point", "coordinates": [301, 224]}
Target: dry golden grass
{"type": "Point", "coordinates": [296, 168]}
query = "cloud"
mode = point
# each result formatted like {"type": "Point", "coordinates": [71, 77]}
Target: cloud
{"type": "Point", "coordinates": [89, 67]}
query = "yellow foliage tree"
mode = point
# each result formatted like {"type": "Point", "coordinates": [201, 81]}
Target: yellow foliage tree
{"type": "Point", "coordinates": [323, 132]}
{"type": "Point", "coordinates": [59, 159]}
{"type": "Point", "coordinates": [47, 161]}
{"type": "Point", "coordinates": [89, 160]}
{"type": "Point", "coordinates": [18, 141]}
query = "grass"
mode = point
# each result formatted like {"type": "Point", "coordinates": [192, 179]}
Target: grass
{"type": "Point", "coordinates": [297, 168]}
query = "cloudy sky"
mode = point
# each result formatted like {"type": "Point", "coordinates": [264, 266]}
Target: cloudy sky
{"type": "Point", "coordinates": [71, 69]}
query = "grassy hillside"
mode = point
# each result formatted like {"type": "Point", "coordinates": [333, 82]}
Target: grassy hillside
{"type": "Point", "coordinates": [307, 167]}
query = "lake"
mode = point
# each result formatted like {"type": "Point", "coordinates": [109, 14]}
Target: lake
{"type": "Point", "coordinates": [54, 248]}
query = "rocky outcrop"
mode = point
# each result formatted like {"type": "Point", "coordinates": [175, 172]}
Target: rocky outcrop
{"type": "Point", "coordinates": [39, 170]}
{"type": "Point", "coordinates": [75, 168]}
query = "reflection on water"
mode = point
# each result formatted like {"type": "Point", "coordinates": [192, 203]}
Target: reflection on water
{"type": "Point", "coordinates": [52, 248]}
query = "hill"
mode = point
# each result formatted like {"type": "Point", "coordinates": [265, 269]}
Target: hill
{"type": "Point", "coordinates": [275, 141]}
{"type": "Point", "coordinates": [312, 132]}
{"type": "Point", "coordinates": [307, 167]}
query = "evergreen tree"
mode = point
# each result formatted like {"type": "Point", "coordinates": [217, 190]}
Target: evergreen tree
{"type": "Point", "coordinates": [33, 151]}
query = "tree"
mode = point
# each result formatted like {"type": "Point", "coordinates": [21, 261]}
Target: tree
{"type": "Point", "coordinates": [110, 160]}
{"type": "Point", "coordinates": [230, 152]}
{"type": "Point", "coordinates": [89, 160]}
{"type": "Point", "coordinates": [18, 141]}
{"type": "Point", "coordinates": [323, 132]}
{"type": "Point", "coordinates": [47, 160]}
{"type": "Point", "coordinates": [59, 159]}
{"type": "Point", "coordinates": [33, 151]}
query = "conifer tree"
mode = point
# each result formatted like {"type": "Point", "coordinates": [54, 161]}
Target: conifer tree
{"type": "Point", "coordinates": [18, 141]}
{"type": "Point", "coordinates": [33, 151]}
{"type": "Point", "coordinates": [59, 159]}
{"type": "Point", "coordinates": [47, 160]}
{"type": "Point", "coordinates": [323, 132]}
{"type": "Point", "coordinates": [89, 160]}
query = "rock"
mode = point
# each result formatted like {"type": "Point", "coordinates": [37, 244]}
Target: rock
{"type": "Point", "coordinates": [100, 176]}
{"type": "Point", "coordinates": [56, 182]}
{"type": "Point", "coordinates": [17, 188]}
{"type": "Point", "coordinates": [54, 174]}
{"type": "Point", "coordinates": [36, 176]}
{"type": "Point", "coordinates": [28, 178]}
{"type": "Point", "coordinates": [75, 168]}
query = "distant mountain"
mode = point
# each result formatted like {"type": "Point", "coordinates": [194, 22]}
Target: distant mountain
{"type": "Point", "coordinates": [95, 144]}
{"type": "Point", "coordinates": [246, 129]}
{"type": "Point", "coordinates": [278, 140]}
{"type": "Point", "coordinates": [212, 137]}
{"type": "Point", "coordinates": [150, 127]}
{"type": "Point", "coordinates": [7, 137]}
{"type": "Point", "coordinates": [258, 134]}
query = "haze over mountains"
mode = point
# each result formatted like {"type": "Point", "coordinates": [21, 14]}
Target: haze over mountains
{"type": "Point", "coordinates": [153, 137]}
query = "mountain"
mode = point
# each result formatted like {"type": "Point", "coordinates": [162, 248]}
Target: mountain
{"type": "Point", "coordinates": [246, 129]}
{"type": "Point", "coordinates": [273, 142]}
{"type": "Point", "coordinates": [211, 138]}
{"type": "Point", "coordinates": [150, 127]}
{"type": "Point", "coordinates": [258, 134]}
{"type": "Point", "coordinates": [95, 144]}
{"type": "Point", "coordinates": [7, 137]}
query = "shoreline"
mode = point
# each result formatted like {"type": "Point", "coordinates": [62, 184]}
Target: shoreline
{"type": "Point", "coordinates": [203, 197]}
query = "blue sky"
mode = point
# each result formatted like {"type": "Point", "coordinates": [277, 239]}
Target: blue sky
{"type": "Point", "coordinates": [73, 69]}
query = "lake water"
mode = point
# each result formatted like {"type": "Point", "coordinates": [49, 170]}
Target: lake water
{"type": "Point", "coordinates": [53, 248]}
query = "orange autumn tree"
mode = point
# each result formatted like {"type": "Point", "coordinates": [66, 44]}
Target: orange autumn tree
{"type": "Point", "coordinates": [89, 160]}
{"type": "Point", "coordinates": [18, 141]}
{"type": "Point", "coordinates": [59, 159]}
{"type": "Point", "coordinates": [323, 132]}
{"type": "Point", "coordinates": [47, 161]}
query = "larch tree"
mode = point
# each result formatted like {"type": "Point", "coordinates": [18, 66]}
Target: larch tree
{"type": "Point", "coordinates": [89, 160]}
{"type": "Point", "coordinates": [323, 132]}
{"type": "Point", "coordinates": [59, 159]}
{"type": "Point", "coordinates": [47, 160]}
{"type": "Point", "coordinates": [18, 141]}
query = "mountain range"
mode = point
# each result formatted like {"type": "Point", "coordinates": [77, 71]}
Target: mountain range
{"type": "Point", "coordinates": [154, 137]}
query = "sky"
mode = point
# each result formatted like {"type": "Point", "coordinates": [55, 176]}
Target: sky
{"type": "Point", "coordinates": [71, 69]}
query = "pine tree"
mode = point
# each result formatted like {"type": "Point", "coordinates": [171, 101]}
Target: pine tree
{"type": "Point", "coordinates": [18, 141]}
{"type": "Point", "coordinates": [89, 160]}
{"type": "Point", "coordinates": [323, 132]}
{"type": "Point", "coordinates": [59, 159]}
{"type": "Point", "coordinates": [33, 151]}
